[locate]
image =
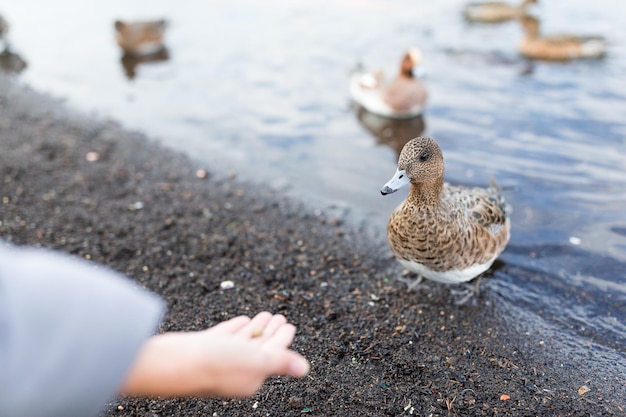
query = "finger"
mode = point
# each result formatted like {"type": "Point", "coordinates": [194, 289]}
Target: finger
{"type": "Point", "coordinates": [273, 325]}
{"type": "Point", "coordinates": [282, 337]}
{"type": "Point", "coordinates": [256, 326]}
{"type": "Point", "coordinates": [231, 326]}
{"type": "Point", "coordinates": [287, 362]}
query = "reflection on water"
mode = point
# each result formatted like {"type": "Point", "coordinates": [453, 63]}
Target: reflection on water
{"type": "Point", "coordinates": [263, 89]}
{"type": "Point", "coordinates": [394, 133]}
{"type": "Point", "coordinates": [130, 62]}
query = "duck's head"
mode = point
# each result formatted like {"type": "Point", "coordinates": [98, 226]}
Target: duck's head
{"type": "Point", "coordinates": [410, 60]}
{"type": "Point", "coordinates": [421, 160]}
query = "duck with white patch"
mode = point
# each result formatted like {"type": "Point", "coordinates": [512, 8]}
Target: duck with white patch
{"type": "Point", "coordinates": [4, 30]}
{"type": "Point", "coordinates": [401, 98]}
{"type": "Point", "coordinates": [558, 47]}
{"type": "Point", "coordinates": [140, 38]}
{"type": "Point", "coordinates": [495, 11]}
{"type": "Point", "coordinates": [449, 234]}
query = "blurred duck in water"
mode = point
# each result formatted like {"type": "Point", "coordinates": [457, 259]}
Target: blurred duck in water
{"type": "Point", "coordinates": [140, 38]}
{"type": "Point", "coordinates": [10, 62]}
{"type": "Point", "coordinates": [141, 42]}
{"type": "Point", "coordinates": [402, 97]}
{"type": "Point", "coordinates": [559, 47]}
{"type": "Point", "coordinates": [495, 11]}
{"type": "Point", "coordinates": [4, 29]}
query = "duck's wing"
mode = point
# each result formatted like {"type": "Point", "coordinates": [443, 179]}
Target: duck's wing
{"type": "Point", "coordinates": [483, 207]}
{"type": "Point", "coordinates": [406, 96]}
{"type": "Point", "coordinates": [490, 210]}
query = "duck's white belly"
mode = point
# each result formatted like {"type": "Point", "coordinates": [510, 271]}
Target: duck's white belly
{"type": "Point", "coordinates": [448, 277]}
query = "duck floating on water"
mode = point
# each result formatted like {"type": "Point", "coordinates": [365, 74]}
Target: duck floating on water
{"type": "Point", "coordinates": [4, 29]}
{"type": "Point", "coordinates": [495, 11]}
{"type": "Point", "coordinates": [401, 98]}
{"type": "Point", "coordinates": [140, 38]}
{"type": "Point", "coordinates": [449, 234]}
{"type": "Point", "coordinates": [559, 47]}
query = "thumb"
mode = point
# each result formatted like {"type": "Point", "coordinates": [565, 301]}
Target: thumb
{"type": "Point", "coordinates": [287, 362]}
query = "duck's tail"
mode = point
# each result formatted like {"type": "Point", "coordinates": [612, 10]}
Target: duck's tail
{"type": "Point", "coordinates": [496, 192]}
{"type": "Point", "coordinates": [593, 47]}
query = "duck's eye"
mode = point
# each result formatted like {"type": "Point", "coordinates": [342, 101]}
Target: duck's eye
{"type": "Point", "coordinates": [424, 156]}
{"type": "Point", "coordinates": [401, 176]}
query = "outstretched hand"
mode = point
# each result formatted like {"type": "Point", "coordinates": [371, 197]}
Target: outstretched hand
{"type": "Point", "coordinates": [231, 359]}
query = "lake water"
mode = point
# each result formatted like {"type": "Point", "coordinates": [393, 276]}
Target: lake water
{"type": "Point", "coordinates": [261, 89]}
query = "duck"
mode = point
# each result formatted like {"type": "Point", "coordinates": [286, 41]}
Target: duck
{"type": "Point", "coordinates": [444, 233]}
{"type": "Point", "coordinates": [403, 97]}
{"type": "Point", "coordinates": [495, 11]}
{"type": "Point", "coordinates": [4, 30]}
{"type": "Point", "coordinates": [140, 38]}
{"type": "Point", "coordinates": [559, 47]}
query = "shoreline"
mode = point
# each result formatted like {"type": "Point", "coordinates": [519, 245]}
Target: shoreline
{"type": "Point", "coordinates": [375, 348]}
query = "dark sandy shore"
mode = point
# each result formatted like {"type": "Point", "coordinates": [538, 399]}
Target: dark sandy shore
{"type": "Point", "coordinates": [375, 349]}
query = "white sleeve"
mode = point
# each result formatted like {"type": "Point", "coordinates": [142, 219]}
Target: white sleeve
{"type": "Point", "coordinates": [69, 331]}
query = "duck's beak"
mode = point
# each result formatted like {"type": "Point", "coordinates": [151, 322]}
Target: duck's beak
{"type": "Point", "coordinates": [399, 180]}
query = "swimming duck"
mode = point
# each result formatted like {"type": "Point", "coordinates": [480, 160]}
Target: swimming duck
{"type": "Point", "coordinates": [4, 29]}
{"type": "Point", "coordinates": [495, 11]}
{"type": "Point", "coordinates": [558, 47]}
{"type": "Point", "coordinates": [402, 98]}
{"type": "Point", "coordinates": [449, 234]}
{"type": "Point", "coordinates": [140, 38]}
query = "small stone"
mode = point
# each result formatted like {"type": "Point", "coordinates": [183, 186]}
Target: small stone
{"type": "Point", "coordinates": [505, 397]}
{"type": "Point", "coordinates": [202, 174]}
{"type": "Point", "coordinates": [575, 240]}
{"type": "Point", "coordinates": [92, 156]}
{"type": "Point", "coordinates": [227, 285]}
{"type": "Point", "coordinates": [583, 390]}
{"type": "Point", "coordinates": [137, 205]}
{"type": "Point", "coordinates": [295, 402]}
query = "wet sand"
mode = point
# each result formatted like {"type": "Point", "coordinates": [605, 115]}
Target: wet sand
{"type": "Point", "coordinates": [86, 186]}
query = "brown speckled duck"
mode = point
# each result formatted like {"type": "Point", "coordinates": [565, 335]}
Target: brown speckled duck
{"type": "Point", "coordinates": [4, 29]}
{"type": "Point", "coordinates": [558, 47]}
{"type": "Point", "coordinates": [444, 233]}
{"type": "Point", "coordinates": [140, 38]}
{"type": "Point", "coordinates": [495, 11]}
{"type": "Point", "coordinates": [401, 98]}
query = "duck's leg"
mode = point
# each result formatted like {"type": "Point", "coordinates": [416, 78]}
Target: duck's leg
{"type": "Point", "coordinates": [468, 293]}
{"type": "Point", "coordinates": [412, 284]}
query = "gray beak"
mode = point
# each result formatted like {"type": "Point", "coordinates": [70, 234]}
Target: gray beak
{"type": "Point", "coordinates": [399, 180]}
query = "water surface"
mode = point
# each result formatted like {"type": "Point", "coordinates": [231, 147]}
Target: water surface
{"type": "Point", "coordinates": [260, 89]}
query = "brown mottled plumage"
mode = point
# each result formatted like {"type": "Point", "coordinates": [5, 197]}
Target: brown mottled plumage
{"type": "Point", "coordinates": [443, 233]}
{"type": "Point", "coordinates": [495, 11]}
{"type": "Point", "coordinates": [4, 29]}
{"type": "Point", "coordinates": [140, 38]}
{"type": "Point", "coordinates": [558, 47]}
